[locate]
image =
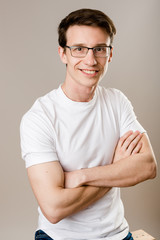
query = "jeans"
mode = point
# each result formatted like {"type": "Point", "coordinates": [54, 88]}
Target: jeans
{"type": "Point", "coordinates": [129, 237]}
{"type": "Point", "coordinates": [40, 235]}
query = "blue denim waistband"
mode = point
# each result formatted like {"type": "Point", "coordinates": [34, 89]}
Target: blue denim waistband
{"type": "Point", "coordinates": [129, 237]}
{"type": "Point", "coordinates": [40, 235]}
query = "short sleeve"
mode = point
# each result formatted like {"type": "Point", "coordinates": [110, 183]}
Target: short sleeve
{"type": "Point", "coordinates": [128, 119]}
{"type": "Point", "coordinates": [37, 139]}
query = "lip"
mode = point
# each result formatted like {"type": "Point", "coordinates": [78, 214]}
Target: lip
{"type": "Point", "coordinates": [89, 72]}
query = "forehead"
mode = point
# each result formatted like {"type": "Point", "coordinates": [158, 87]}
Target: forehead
{"type": "Point", "coordinates": [87, 35]}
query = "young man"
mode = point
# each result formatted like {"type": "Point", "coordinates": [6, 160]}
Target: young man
{"type": "Point", "coordinates": [82, 142]}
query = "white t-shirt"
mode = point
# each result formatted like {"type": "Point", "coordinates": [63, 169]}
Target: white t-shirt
{"type": "Point", "coordinates": [80, 135]}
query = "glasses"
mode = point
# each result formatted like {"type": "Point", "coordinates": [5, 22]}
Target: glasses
{"type": "Point", "coordinates": [81, 52]}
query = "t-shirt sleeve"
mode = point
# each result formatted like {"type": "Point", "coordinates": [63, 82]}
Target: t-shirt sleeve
{"type": "Point", "coordinates": [128, 120]}
{"type": "Point", "coordinates": [37, 139]}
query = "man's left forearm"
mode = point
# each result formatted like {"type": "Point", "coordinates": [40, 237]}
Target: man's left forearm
{"type": "Point", "coordinates": [126, 172]}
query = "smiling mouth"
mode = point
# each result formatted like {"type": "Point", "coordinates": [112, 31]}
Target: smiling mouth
{"type": "Point", "coordinates": [90, 72]}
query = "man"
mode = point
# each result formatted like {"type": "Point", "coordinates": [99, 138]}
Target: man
{"type": "Point", "coordinates": [82, 142]}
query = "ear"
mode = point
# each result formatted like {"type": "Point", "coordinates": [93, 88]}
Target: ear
{"type": "Point", "coordinates": [62, 54]}
{"type": "Point", "coordinates": [110, 57]}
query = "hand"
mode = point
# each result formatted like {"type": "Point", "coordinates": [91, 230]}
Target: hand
{"type": "Point", "coordinates": [72, 179]}
{"type": "Point", "coordinates": [128, 144]}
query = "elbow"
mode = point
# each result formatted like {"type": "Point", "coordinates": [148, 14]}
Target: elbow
{"type": "Point", "coordinates": [53, 215]}
{"type": "Point", "coordinates": [149, 172]}
{"type": "Point", "coordinates": [53, 219]}
{"type": "Point", "coordinates": [153, 170]}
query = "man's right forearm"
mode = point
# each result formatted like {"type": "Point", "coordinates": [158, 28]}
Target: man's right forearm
{"type": "Point", "coordinates": [56, 201]}
{"type": "Point", "coordinates": [69, 201]}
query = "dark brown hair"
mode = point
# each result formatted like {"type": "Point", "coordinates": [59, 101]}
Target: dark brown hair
{"type": "Point", "coordinates": [88, 17]}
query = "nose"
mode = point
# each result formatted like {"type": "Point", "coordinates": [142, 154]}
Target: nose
{"type": "Point", "coordinates": [90, 58]}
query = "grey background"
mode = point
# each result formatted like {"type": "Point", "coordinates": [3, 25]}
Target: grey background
{"type": "Point", "coordinates": [30, 67]}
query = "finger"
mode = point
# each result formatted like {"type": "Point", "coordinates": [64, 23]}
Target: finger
{"type": "Point", "coordinates": [130, 139]}
{"type": "Point", "coordinates": [124, 137]}
{"type": "Point", "coordinates": [134, 143]}
{"type": "Point", "coordinates": [137, 148]}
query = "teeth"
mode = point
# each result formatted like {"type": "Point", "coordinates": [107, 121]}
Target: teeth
{"type": "Point", "coordinates": [89, 71]}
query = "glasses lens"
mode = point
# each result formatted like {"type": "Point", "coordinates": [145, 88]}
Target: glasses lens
{"type": "Point", "coordinates": [102, 51]}
{"type": "Point", "coordinates": [79, 51]}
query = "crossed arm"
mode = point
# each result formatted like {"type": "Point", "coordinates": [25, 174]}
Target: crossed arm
{"type": "Point", "coordinates": [133, 162]}
{"type": "Point", "coordinates": [58, 197]}
{"type": "Point", "coordinates": [55, 201]}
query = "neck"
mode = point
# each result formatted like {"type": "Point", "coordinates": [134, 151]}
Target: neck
{"type": "Point", "coordinates": [78, 94]}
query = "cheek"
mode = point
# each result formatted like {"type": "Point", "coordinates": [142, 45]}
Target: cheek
{"type": "Point", "coordinates": [72, 67]}
{"type": "Point", "coordinates": [104, 64]}
{"type": "Point", "coordinates": [105, 68]}
{"type": "Point", "coordinates": [73, 63]}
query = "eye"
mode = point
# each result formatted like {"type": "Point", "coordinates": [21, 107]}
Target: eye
{"type": "Point", "coordinates": [78, 49]}
{"type": "Point", "coordinates": [100, 49]}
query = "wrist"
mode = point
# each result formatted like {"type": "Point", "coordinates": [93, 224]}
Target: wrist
{"type": "Point", "coordinates": [75, 179]}
{"type": "Point", "coordinates": [81, 177]}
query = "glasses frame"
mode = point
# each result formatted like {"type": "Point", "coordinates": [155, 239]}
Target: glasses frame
{"type": "Point", "coordinates": [88, 48]}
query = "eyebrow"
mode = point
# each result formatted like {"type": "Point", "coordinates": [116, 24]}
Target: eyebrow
{"type": "Point", "coordinates": [84, 45]}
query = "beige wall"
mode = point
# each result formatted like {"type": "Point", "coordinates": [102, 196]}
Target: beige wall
{"type": "Point", "coordinates": [30, 67]}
